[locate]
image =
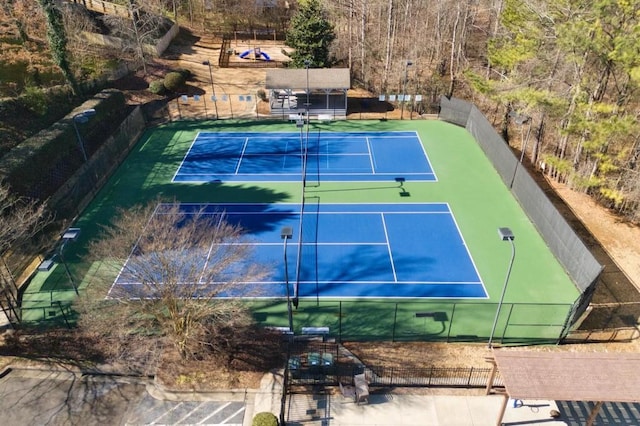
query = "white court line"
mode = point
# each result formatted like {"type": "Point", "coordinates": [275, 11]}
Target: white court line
{"type": "Point", "coordinates": [331, 282]}
{"type": "Point", "coordinates": [466, 247]}
{"type": "Point", "coordinates": [386, 235]}
{"type": "Point", "coordinates": [135, 246]}
{"type": "Point", "coordinates": [244, 147]}
{"type": "Point", "coordinates": [185, 157]}
{"type": "Point", "coordinates": [341, 154]}
{"type": "Point", "coordinates": [344, 244]}
{"type": "Point", "coordinates": [214, 413]}
{"type": "Point", "coordinates": [267, 154]}
{"type": "Point", "coordinates": [372, 159]}
{"type": "Point", "coordinates": [279, 135]}
{"type": "Point", "coordinates": [221, 217]}
{"type": "Point", "coordinates": [426, 156]}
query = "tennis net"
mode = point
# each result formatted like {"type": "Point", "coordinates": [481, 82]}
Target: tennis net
{"type": "Point", "coordinates": [307, 260]}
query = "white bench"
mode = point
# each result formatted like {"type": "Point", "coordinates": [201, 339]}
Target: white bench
{"type": "Point", "coordinates": [283, 330]}
{"type": "Point", "coordinates": [325, 118]}
{"type": "Point", "coordinates": [315, 331]}
{"type": "Point", "coordinates": [296, 117]}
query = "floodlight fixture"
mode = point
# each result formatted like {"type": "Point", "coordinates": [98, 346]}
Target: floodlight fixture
{"type": "Point", "coordinates": [505, 234]}
{"type": "Point", "coordinates": [286, 233]}
{"type": "Point", "coordinates": [82, 117]}
{"type": "Point", "coordinates": [213, 89]}
{"type": "Point", "coordinates": [407, 64]}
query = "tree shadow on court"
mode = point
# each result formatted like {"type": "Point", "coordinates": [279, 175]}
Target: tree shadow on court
{"type": "Point", "coordinates": [364, 320]}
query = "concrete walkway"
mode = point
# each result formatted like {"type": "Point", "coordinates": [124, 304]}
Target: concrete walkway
{"type": "Point", "coordinates": [415, 410]}
{"type": "Point", "coordinates": [461, 408]}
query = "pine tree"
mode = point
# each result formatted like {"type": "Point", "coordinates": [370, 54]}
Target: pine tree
{"type": "Point", "coordinates": [310, 34]}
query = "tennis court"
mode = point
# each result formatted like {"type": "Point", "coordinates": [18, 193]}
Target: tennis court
{"type": "Point", "coordinates": [350, 251]}
{"type": "Point", "coordinates": [368, 251]}
{"type": "Point", "coordinates": [329, 156]}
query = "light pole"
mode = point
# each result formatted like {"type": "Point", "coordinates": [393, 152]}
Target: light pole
{"type": "Point", "coordinates": [307, 64]}
{"type": "Point", "coordinates": [213, 89]}
{"type": "Point", "coordinates": [82, 117]}
{"type": "Point", "coordinates": [505, 235]}
{"type": "Point", "coordinates": [404, 86]}
{"type": "Point", "coordinates": [70, 234]}
{"type": "Point", "coordinates": [520, 120]}
{"type": "Point", "coordinates": [286, 233]}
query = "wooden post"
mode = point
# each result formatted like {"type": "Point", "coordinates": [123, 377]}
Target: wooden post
{"type": "Point", "coordinates": [593, 414]}
{"type": "Point", "coordinates": [492, 376]}
{"type": "Point", "coordinates": [503, 408]}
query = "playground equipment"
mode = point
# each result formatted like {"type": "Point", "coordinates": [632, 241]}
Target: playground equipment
{"type": "Point", "coordinates": [257, 54]}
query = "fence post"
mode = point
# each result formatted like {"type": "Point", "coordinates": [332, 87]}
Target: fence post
{"type": "Point", "coordinates": [393, 331]}
{"type": "Point", "coordinates": [504, 331]}
{"type": "Point", "coordinates": [340, 322]}
{"type": "Point", "coordinates": [285, 385]}
{"type": "Point", "coordinates": [453, 311]}
{"type": "Point", "coordinates": [567, 322]}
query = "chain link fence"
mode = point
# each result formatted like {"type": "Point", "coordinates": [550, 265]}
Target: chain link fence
{"type": "Point", "coordinates": [564, 243]}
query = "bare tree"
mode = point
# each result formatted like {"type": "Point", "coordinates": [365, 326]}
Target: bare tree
{"type": "Point", "coordinates": [180, 274]}
{"type": "Point", "coordinates": [21, 220]}
{"type": "Point", "coordinates": [143, 27]}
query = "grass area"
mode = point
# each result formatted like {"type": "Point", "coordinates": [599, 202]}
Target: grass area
{"type": "Point", "coordinates": [539, 292]}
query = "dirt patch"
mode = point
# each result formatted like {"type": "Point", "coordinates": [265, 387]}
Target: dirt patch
{"type": "Point", "coordinates": [620, 239]}
{"type": "Point", "coordinates": [455, 355]}
{"type": "Point", "coordinates": [176, 374]}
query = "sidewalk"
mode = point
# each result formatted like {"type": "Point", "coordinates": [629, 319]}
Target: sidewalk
{"type": "Point", "coordinates": [416, 410]}
{"type": "Point", "coordinates": [463, 407]}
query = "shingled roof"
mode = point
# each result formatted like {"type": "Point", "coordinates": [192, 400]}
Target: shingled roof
{"type": "Point", "coordinates": [570, 376]}
{"type": "Point", "coordinates": [319, 79]}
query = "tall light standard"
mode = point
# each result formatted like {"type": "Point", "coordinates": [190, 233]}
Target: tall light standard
{"type": "Point", "coordinates": [82, 117]}
{"type": "Point", "coordinates": [404, 86]}
{"type": "Point", "coordinates": [70, 234]}
{"type": "Point", "coordinates": [307, 64]}
{"type": "Point", "coordinates": [213, 89]}
{"type": "Point", "coordinates": [520, 120]}
{"type": "Point", "coordinates": [286, 233]}
{"type": "Point", "coordinates": [505, 235]}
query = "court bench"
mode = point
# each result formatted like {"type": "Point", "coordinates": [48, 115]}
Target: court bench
{"type": "Point", "coordinates": [315, 331]}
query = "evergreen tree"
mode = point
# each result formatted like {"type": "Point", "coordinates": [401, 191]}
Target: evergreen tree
{"type": "Point", "coordinates": [310, 34]}
{"type": "Point", "coordinates": [58, 41]}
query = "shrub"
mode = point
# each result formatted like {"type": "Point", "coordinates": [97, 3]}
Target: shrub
{"type": "Point", "coordinates": [35, 99]}
{"type": "Point", "coordinates": [173, 81]}
{"type": "Point", "coordinates": [187, 74]}
{"type": "Point", "coordinates": [265, 419]}
{"type": "Point", "coordinates": [262, 95]}
{"type": "Point", "coordinates": [157, 87]}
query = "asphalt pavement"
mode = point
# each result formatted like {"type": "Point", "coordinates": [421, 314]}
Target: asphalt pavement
{"type": "Point", "coordinates": [64, 397]}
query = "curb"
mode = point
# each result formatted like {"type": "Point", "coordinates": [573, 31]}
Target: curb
{"type": "Point", "coordinates": [159, 391]}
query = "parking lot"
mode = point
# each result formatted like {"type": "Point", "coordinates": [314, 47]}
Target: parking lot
{"type": "Point", "coordinates": [41, 397]}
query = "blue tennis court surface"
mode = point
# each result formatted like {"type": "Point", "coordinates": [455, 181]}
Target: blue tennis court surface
{"type": "Point", "coordinates": [353, 251]}
{"type": "Point", "coordinates": [326, 156]}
